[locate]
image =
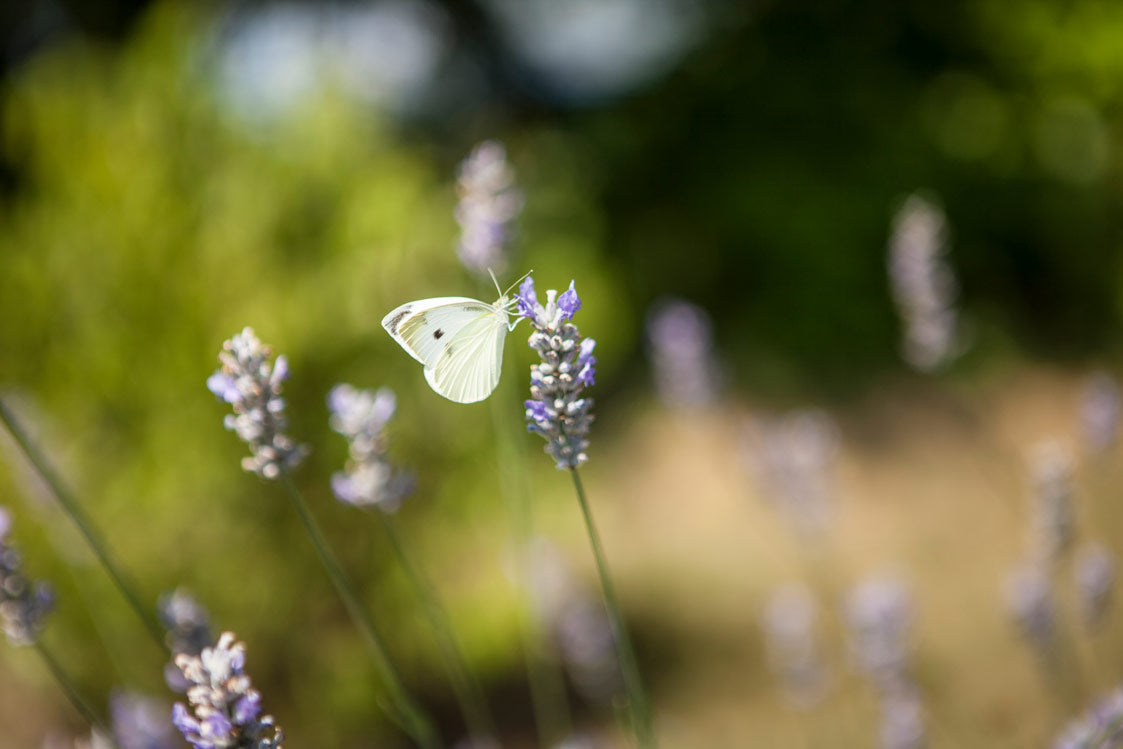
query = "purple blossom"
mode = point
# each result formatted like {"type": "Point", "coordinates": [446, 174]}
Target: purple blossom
{"type": "Point", "coordinates": [923, 284]}
{"type": "Point", "coordinates": [556, 409]}
{"type": "Point", "coordinates": [252, 386]}
{"type": "Point", "coordinates": [527, 299]}
{"type": "Point", "coordinates": [680, 346]}
{"type": "Point", "coordinates": [225, 708]}
{"type": "Point", "coordinates": [489, 202]}
{"type": "Point", "coordinates": [568, 302]}
{"type": "Point", "coordinates": [1099, 728]}
{"type": "Point", "coordinates": [140, 722]}
{"type": "Point", "coordinates": [23, 606]}
{"type": "Point", "coordinates": [368, 478]}
{"type": "Point", "coordinates": [1029, 595]}
{"type": "Point", "coordinates": [1095, 576]}
{"type": "Point", "coordinates": [188, 631]}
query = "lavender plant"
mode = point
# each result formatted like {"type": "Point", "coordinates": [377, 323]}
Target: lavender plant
{"type": "Point", "coordinates": [1095, 576]}
{"type": "Point", "coordinates": [790, 643]}
{"type": "Point", "coordinates": [559, 412]}
{"type": "Point", "coordinates": [1099, 412]}
{"type": "Point", "coordinates": [879, 612]}
{"type": "Point", "coordinates": [370, 481]}
{"type": "Point", "coordinates": [24, 608]}
{"type": "Point", "coordinates": [1029, 596]}
{"type": "Point", "coordinates": [188, 631]}
{"type": "Point", "coordinates": [680, 346]}
{"type": "Point", "coordinates": [251, 384]}
{"type": "Point", "coordinates": [489, 202]}
{"type": "Point", "coordinates": [1100, 728]}
{"type": "Point", "coordinates": [140, 722]}
{"type": "Point", "coordinates": [73, 509]}
{"type": "Point", "coordinates": [923, 285]}
{"type": "Point", "coordinates": [225, 709]}
{"type": "Point", "coordinates": [793, 457]}
{"type": "Point", "coordinates": [1052, 486]}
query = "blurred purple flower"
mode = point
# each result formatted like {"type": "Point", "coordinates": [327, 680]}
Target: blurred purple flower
{"type": "Point", "coordinates": [489, 202]}
{"type": "Point", "coordinates": [1099, 412]}
{"type": "Point", "coordinates": [23, 607]}
{"type": "Point", "coordinates": [1029, 596]}
{"type": "Point", "coordinates": [1095, 576]}
{"type": "Point", "coordinates": [791, 645]}
{"type": "Point", "coordinates": [252, 386]}
{"type": "Point", "coordinates": [1052, 484]}
{"type": "Point", "coordinates": [680, 345]}
{"type": "Point", "coordinates": [140, 722]}
{"type": "Point", "coordinates": [923, 285]}
{"type": "Point", "coordinates": [368, 479]}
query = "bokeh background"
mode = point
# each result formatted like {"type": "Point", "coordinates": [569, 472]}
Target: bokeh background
{"type": "Point", "coordinates": [171, 172]}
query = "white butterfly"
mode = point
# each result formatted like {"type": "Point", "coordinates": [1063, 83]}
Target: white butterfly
{"type": "Point", "coordinates": [459, 340]}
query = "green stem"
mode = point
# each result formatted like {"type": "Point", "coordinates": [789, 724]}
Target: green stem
{"type": "Point", "coordinates": [468, 692]}
{"type": "Point", "coordinates": [547, 686]}
{"type": "Point", "coordinates": [69, 689]}
{"type": "Point", "coordinates": [413, 719]}
{"type": "Point", "coordinates": [72, 508]}
{"type": "Point", "coordinates": [641, 715]}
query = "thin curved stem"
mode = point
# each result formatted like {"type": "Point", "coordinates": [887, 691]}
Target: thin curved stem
{"type": "Point", "coordinates": [69, 689]}
{"type": "Point", "coordinates": [412, 717]}
{"type": "Point", "coordinates": [641, 714]}
{"type": "Point", "coordinates": [85, 526]}
{"type": "Point", "coordinates": [468, 693]}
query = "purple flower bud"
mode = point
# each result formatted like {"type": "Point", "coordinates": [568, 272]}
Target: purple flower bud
{"type": "Point", "coordinates": [183, 721]}
{"type": "Point", "coordinates": [247, 708]}
{"type": "Point", "coordinates": [527, 299]}
{"type": "Point", "coordinates": [537, 410]}
{"type": "Point", "coordinates": [568, 302]}
{"type": "Point", "coordinates": [223, 386]}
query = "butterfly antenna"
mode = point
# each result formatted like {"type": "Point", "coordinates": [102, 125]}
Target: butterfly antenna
{"type": "Point", "coordinates": [516, 283]}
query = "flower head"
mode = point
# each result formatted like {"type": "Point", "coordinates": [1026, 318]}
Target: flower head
{"type": "Point", "coordinates": [680, 344]}
{"type": "Point", "coordinates": [252, 386]}
{"type": "Point", "coordinates": [1095, 576]}
{"type": "Point", "coordinates": [556, 410]}
{"type": "Point", "coordinates": [140, 722]}
{"type": "Point", "coordinates": [1052, 485]}
{"type": "Point", "coordinates": [368, 479]}
{"type": "Point", "coordinates": [1029, 595]}
{"type": "Point", "coordinates": [23, 607]}
{"type": "Point", "coordinates": [1100, 728]}
{"type": "Point", "coordinates": [923, 285]}
{"type": "Point", "coordinates": [880, 615]}
{"type": "Point", "coordinates": [188, 631]}
{"type": "Point", "coordinates": [489, 202]}
{"type": "Point", "coordinates": [1099, 412]}
{"type": "Point", "coordinates": [790, 640]}
{"type": "Point", "coordinates": [225, 710]}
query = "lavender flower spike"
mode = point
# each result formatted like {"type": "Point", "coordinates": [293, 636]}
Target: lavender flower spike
{"type": "Point", "coordinates": [489, 202]}
{"type": "Point", "coordinates": [361, 416]}
{"type": "Point", "coordinates": [188, 631]}
{"type": "Point", "coordinates": [140, 722]}
{"type": "Point", "coordinates": [252, 386]}
{"type": "Point", "coordinates": [23, 607]}
{"type": "Point", "coordinates": [556, 410]}
{"type": "Point", "coordinates": [225, 710]}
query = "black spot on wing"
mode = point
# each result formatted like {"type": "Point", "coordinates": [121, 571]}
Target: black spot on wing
{"type": "Point", "coordinates": [438, 334]}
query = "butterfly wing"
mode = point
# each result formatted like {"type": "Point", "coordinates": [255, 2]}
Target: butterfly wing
{"type": "Point", "coordinates": [426, 327]}
{"type": "Point", "coordinates": [468, 369]}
